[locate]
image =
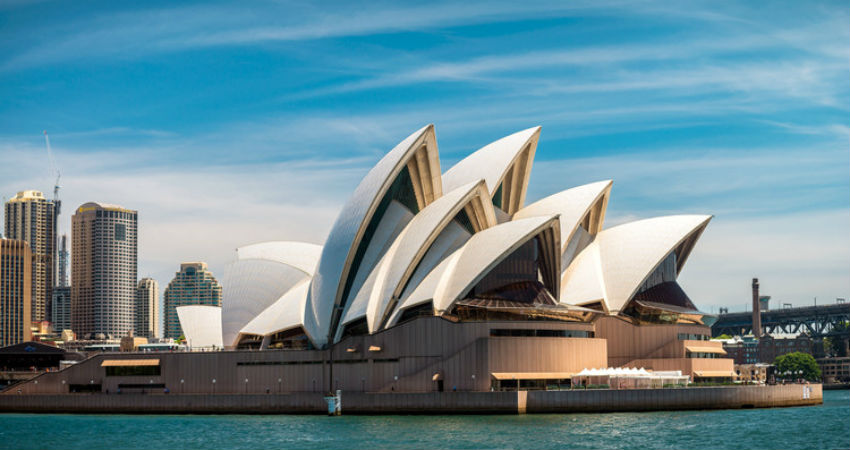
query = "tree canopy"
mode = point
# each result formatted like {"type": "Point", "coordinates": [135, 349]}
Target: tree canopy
{"type": "Point", "coordinates": [795, 362]}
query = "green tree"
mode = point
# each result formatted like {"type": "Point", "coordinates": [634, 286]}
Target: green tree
{"type": "Point", "coordinates": [795, 362]}
{"type": "Point", "coordinates": [723, 336]}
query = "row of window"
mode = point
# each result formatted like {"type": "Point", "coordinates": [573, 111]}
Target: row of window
{"type": "Point", "coordinates": [701, 355]}
{"type": "Point", "coordinates": [301, 363]}
{"type": "Point", "coordinates": [520, 332]}
{"type": "Point", "coordinates": [132, 371]}
{"type": "Point", "coordinates": [693, 337]}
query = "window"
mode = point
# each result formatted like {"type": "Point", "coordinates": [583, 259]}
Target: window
{"type": "Point", "coordinates": [693, 337]}
{"type": "Point", "coordinates": [130, 371]}
{"type": "Point", "coordinates": [120, 232]}
{"type": "Point", "coordinates": [519, 332]}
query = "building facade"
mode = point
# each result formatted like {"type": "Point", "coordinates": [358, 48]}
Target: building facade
{"type": "Point", "coordinates": [748, 350]}
{"type": "Point", "coordinates": [194, 284]}
{"type": "Point", "coordinates": [770, 348]}
{"type": "Point", "coordinates": [147, 322]}
{"type": "Point", "coordinates": [15, 292]}
{"type": "Point", "coordinates": [835, 370]}
{"type": "Point", "coordinates": [31, 217]}
{"type": "Point", "coordinates": [60, 312]}
{"type": "Point", "coordinates": [103, 270]}
{"type": "Point", "coordinates": [63, 258]}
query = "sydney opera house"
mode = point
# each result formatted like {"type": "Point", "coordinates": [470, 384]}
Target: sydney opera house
{"type": "Point", "coordinates": [436, 280]}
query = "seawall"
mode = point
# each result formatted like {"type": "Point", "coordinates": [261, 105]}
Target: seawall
{"type": "Point", "coordinates": [725, 397]}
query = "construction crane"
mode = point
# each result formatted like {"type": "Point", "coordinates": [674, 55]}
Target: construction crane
{"type": "Point", "coordinates": [53, 169]}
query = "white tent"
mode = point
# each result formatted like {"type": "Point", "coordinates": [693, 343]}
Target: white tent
{"type": "Point", "coordinates": [628, 377]}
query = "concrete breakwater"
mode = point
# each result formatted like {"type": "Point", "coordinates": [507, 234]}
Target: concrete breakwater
{"type": "Point", "coordinates": [723, 397]}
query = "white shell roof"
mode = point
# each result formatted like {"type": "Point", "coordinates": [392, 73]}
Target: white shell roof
{"type": "Point", "coordinates": [572, 204]}
{"type": "Point", "coordinates": [300, 255]}
{"type": "Point", "coordinates": [344, 238]}
{"type": "Point", "coordinates": [201, 325]}
{"type": "Point", "coordinates": [482, 252]}
{"type": "Point", "coordinates": [249, 286]}
{"type": "Point", "coordinates": [398, 263]}
{"type": "Point", "coordinates": [616, 263]}
{"type": "Point", "coordinates": [491, 162]}
{"type": "Point", "coordinates": [426, 290]}
{"type": "Point", "coordinates": [284, 314]}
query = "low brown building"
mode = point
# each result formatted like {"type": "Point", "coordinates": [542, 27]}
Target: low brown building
{"type": "Point", "coordinates": [425, 354]}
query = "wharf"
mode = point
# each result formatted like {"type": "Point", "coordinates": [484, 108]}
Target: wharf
{"type": "Point", "coordinates": [570, 401]}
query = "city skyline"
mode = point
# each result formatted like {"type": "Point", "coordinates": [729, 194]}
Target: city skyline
{"type": "Point", "coordinates": [751, 125]}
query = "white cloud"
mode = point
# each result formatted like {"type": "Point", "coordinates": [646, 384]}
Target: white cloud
{"type": "Point", "coordinates": [796, 257]}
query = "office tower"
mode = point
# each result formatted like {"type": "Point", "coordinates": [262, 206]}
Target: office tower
{"type": "Point", "coordinates": [15, 292]}
{"type": "Point", "coordinates": [192, 285]}
{"type": "Point", "coordinates": [103, 270]}
{"type": "Point", "coordinates": [31, 217]}
{"type": "Point", "coordinates": [60, 311]}
{"type": "Point", "coordinates": [147, 309]}
{"type": "Point", "coordinates": [62, 258]}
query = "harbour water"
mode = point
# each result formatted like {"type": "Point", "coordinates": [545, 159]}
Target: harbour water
{"type": "Point", "coordinates": [816, 427]}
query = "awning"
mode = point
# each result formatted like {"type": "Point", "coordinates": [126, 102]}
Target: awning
{"type": "Point", "coordinates": [671, 308]}
{"type": "Point", "coordinates": [129, 362]}
{"type": "Point", "coordinates": [704, 349]}
{"type": "Point", "coordinates": [532, 375]}
{"type": "Point", "coordinates": [713, 374]}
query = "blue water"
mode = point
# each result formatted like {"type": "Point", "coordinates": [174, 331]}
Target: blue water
{"type": "Point", "coordinates": [815, 427]}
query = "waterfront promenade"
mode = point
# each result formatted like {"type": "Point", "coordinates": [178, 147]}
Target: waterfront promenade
{"type": "Point", "coordinates": [571, 401]}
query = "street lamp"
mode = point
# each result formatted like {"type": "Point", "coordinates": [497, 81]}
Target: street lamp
{"type": "Point", "coordinates": [181, 385]}
{"type": "Point", "coordinates": [213, 383]}
{"type": "Point", "coordinates": [279, 380]}
{"type": "Point", "coordinates": [246, 385]}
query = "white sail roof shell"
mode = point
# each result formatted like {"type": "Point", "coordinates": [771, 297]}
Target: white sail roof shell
{"type": "Point", "coordinates": [616, 263]}
{"type": "Point", "coordinates": [201, 325]}
{"type": "Point", "coordinates": [424, 292]}
{"type": "Point", "coordinates": [300, 255]}
{"type": "Point", "coordinates": [261, 274]}
{"type": "Point", "coordinates": [338, 253]}
{"type": "Point", "coordinates": [572, 205]}
{"type": "Point", "coordinates": [398, 263]}
{"type": "Point", "coordinates": [492, 163]}
{"type": "Point", "coordinates": [479, 255]}
{"type": "Point", "coordinates": [284, 314]}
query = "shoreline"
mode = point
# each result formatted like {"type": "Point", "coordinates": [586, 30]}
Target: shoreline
{"type": "Point", "coordinates": [357, 403]}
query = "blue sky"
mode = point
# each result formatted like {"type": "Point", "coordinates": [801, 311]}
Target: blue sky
{"type": "Point", "coordinates": [230, 123]}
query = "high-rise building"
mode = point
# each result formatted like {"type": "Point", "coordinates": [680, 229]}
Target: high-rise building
{"type": "Point", "coordinates": [192, 285]}
{"type": "Point", "coordinates": [60, 311]}
{"type": "Point", "coordinates": [103, 270]}
{"type": "Point", "coordinates": [62, 259]}
{"type": "Point", "coordinates": [31, 217]}
{"type": "Point", "coordinates": [15, 292]}
{"type": "Point", "coordinates": [147, 309]}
